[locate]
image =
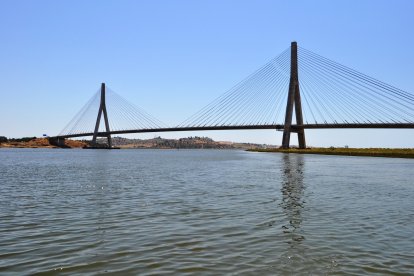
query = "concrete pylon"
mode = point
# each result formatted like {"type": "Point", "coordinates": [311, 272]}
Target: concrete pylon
{"type": "Point", "coordinates": [102, 110]}
{"type": "Point", "coordinates": [294, 100]}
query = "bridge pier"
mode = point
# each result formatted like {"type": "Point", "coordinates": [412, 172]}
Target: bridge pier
{"type": "Point", "coordinates": [57, 141]}
{"type": "Point", "coordinates": [294, 100]}
{"type": "Point", "coordinates": [102, 110]}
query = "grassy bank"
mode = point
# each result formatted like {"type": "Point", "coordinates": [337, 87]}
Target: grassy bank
{"type": "Point", "coordinates": [374, 152]}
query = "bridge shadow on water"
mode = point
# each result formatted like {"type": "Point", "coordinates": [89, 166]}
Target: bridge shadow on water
{"type": "Point", "coordinates": [292, 203]}
{"type": "Point", "coordinates": [301, 255]}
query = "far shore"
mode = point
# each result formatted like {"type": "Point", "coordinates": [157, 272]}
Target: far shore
{"type": "Point", "coordinates": [371, 152]}
{"type": "Point", "coordinates": [207, 143]}
{"type": "Point", "coordinates": [125, 143]}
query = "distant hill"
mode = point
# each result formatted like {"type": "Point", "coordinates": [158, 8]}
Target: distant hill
{"type": "Point", "coordinates": [182, 143]}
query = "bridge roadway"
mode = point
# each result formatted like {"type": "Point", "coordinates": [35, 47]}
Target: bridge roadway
{"type": "Point", "coordinates": [294, 128]}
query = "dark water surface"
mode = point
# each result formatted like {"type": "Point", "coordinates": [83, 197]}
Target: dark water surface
{"type": "Point", "coordinates": [204, 212]}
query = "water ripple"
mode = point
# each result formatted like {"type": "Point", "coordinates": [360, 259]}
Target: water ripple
{"type": "Point", "coordinates": [204, 212]}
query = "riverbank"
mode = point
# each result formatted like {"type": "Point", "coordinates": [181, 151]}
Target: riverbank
{"type": "Point", "coordinates": [40, 143]}
{"type": "Point", "coordinates": [372, 152]}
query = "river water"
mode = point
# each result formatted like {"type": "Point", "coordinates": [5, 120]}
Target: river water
{"type": "Point", "coordinates": [209, 212]}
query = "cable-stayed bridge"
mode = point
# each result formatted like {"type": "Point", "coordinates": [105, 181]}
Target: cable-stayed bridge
{"type": "Point", "coordinates": [296, 90]}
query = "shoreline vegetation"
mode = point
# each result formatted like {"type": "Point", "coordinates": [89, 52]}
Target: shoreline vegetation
{"type": "Point", "coordinates": [370, 152]}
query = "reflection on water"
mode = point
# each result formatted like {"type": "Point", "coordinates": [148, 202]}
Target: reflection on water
{"type": "Point", "coordinates": [292, 191]}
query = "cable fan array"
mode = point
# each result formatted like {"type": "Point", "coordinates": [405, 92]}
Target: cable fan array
{"type": "Point", "coordinates": [259, 99]}
{"type": "Point", "coordinates": [122, 116]}
{"type": "Point", "coordinates": [331, 94]}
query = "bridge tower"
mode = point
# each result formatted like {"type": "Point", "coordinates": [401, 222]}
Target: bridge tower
{"type": "Point", "coordinates": [294, 100]}
{"type": "Point", "coordinates": [102, 109]}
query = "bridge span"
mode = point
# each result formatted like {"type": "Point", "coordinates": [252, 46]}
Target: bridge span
{"type": "Point", "coordinates": [329, 96]}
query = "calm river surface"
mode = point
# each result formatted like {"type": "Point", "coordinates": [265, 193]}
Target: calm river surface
{"type": "Point", "coordinates": [207, 212]}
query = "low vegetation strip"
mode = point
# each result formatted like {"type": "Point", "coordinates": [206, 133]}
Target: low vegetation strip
{"type": "Point", "coordinates": [374, 152]}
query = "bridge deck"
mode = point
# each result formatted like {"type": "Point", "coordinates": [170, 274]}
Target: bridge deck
{"type": "Point", "coordinates": [275, 127]}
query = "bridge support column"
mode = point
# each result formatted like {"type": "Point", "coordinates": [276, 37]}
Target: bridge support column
{"type": "Point", "coordinates": [57, 141]}
{"type": "Point", "coordinates": [102, 110]}
{"type": "Point", "coordinates": [294, 100]}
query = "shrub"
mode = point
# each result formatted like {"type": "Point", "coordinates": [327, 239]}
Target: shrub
{"type": "Point", "coordinates": [24, 139]}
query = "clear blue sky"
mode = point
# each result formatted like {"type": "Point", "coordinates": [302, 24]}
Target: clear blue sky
{"type": "Point", "coordinates": [173, 57]}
